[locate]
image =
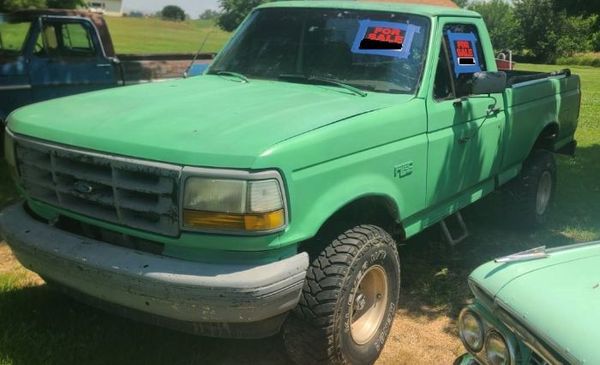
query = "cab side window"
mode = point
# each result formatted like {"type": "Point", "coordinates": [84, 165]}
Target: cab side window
{"type": "Point", "coordinates": [460, 57]}
{"type": "Point", "coordinates": [65, 40]}
{"type": "Point", "coordinates": [77, 40]}
{"type": "Point", "coordinates": [47, 42]}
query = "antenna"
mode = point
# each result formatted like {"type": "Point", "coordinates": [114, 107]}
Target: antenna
{"type": "Point", "coordinates": [187, 70]}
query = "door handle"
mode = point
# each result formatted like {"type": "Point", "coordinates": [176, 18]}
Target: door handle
{"type": "Point", "coordinates": [105, 65]}
{"type": "Point", "coordinates": [493, 111]}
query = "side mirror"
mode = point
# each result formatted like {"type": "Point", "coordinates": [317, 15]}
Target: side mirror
{"type": "Point", "coordinates": [485, 83]}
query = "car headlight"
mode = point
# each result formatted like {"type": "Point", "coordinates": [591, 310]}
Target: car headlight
{"type": "Point", "coordinates": [497, 351]}
{"type": "Point", "coordinates": [471, 330]}
{"type": "Point", "coordinates": [242, 205]}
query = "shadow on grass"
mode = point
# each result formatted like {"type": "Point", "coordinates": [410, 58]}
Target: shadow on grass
{"type": "Point", "coordinates": [8, 192]}
{"type": "Point", "coordinates": [41, 326]}
{"type": "Point", "coordinates": [435, 275]}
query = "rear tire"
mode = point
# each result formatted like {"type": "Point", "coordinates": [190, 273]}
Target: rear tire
{"type": "Point", "coordinates": [532, 193]}
{"type": "Point", "coordinates": [348, 302]}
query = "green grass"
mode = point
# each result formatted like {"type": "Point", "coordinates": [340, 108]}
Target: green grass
{"type": "Point", "coordinates": [153, 35]}
{"type": "Point", "coordinates": [142, 35]}
{"type": "Point", "coordinates": [584, 59]}
{"type": "Point", "coordinates": [38, 325]}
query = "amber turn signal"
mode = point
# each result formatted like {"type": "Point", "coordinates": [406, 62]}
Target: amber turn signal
{"type": "Point", "coordinates": [252, 222]}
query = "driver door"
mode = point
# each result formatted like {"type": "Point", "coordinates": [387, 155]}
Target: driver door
{"type": "Point", "coordinates": [463, 136]}
{"type": "Point", "coordinates": [68, 58]}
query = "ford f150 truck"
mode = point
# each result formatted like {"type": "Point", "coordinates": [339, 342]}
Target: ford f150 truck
{"type": "Point", "coordinates": [46, 54]}
{"type": "Point", "coordinates": [270, 193]}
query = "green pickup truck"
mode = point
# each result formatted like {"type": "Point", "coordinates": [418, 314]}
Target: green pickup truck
{"type": "Point", "coordinates": [270, 193]}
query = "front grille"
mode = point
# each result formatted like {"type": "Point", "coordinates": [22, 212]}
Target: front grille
{"type": "Point", "coordinates": [132, 193]}
{"type": "Point", "coordinates": [114, 238]}
{"type": "Point", "coordinates": [537, 360]}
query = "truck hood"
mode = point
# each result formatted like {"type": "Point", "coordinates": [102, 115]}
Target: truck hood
{"type": "Point", "coordinates": [557, 298]}
{"type": "Point", "coordinates": [202, 121]}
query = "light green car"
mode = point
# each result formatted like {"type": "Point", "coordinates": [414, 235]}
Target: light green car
{"type": "Point", "coordinates": [536, 307]}
{"type": "Point", "coordinates": [270, 193]}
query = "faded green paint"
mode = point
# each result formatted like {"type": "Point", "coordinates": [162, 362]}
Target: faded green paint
{"type": "Point", "coordinates": [556, 298]}
{"type": "Point", "coordinates": [331, 146]}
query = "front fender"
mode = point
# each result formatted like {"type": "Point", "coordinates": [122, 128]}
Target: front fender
{"type": "Point", "coordinates": [396, 172]}
{"type": "Point", "coordinates": [340, 195]}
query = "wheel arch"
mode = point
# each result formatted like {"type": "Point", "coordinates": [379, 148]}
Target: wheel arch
{"type": "Point", "coordinates": [377, 209]}
{"type": "Point", "coordinates": [547, 137]}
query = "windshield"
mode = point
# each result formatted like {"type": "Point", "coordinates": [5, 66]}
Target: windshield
{"type": "Point", "coordinates": [372, 51]}
{"type": "Point", "coordinates": [12, 36]}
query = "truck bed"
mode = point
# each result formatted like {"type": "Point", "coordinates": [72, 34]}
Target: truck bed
{"type": "Point", "coordinates": [552, 98]}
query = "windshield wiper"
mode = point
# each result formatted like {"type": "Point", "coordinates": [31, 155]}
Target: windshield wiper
{"type": "Point", "coordinates": [234, 74]}
{"type": "Point", "coordinates": [322, 81]}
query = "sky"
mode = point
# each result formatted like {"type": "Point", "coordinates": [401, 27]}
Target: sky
{"type": "Point", "coordinates": [191, 7]}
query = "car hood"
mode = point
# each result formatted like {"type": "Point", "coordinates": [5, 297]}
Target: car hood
{"type": "Point", "coordinates": [203, 121]}
{"type": "Point", "coordinates": [557, 298]}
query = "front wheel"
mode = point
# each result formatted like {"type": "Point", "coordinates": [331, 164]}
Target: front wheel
{"type": "Point", "coordinates": [348, 302]}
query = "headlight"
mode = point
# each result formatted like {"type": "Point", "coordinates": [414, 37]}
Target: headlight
{"type": "Point", "coordinates": [471, 330]}
{"type": "Point", "coordinates": [233, 205]}
{"type": "Point", "coordinates": [496, 349]}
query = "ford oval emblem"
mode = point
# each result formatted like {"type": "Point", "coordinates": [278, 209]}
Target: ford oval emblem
{"type": "Point", "coordinates": [83, 187]}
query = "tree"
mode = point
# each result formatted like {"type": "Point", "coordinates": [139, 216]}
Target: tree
{"type": "Point", "coordinates": [550, 33]}
{"type": "Point", "coordinates": [540, 27]}
{"type": "Point", "coordinates": [579, 7]}
{"type": "Point", "coordinates": [579, 34]}
{"type": "Point", "coordinates": [173, 12]}
{"type": "Point", "coordinates": [235, 11]}
{"type": "Point", "coordinates": [135, 14]}
{"type": "Point", "coordinates": [502, 23]}
{"type": "Point", "coordinates": [209, 14]}
{"type": "Point", "coordinates": [64, 4]}
{"type": "Point", "coordinates": [10, 5]}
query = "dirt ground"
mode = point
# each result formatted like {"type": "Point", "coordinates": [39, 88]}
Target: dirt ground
{"type": "Point", "coordinates": [422, 340]}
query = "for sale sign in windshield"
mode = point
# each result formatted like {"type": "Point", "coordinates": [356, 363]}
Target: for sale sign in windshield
{"type": "Point", "coordinates": [384, 39]}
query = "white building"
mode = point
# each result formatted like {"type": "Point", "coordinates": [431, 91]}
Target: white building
{"type": "Point", "coordinates": [108, 7]}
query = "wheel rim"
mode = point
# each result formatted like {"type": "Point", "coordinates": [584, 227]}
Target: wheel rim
{"type": "Point", "coordinates": [369, 305]}
{"type": "Point", "coordinates": [544, 193]}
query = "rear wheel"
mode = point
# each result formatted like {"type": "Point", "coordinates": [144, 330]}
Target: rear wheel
{"type": "Point", "coordinates": [348, 302]}
{"type": "Point", "coordinates": [533, 191]}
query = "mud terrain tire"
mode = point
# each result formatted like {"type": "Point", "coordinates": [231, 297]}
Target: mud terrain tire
{"type": "Point", "coordinates": [348, 302]}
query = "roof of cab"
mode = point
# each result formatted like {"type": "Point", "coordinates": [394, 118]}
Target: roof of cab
{"type": "Point", "coordinates": [401, 6]}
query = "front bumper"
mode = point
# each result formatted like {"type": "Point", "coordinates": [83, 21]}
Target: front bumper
{"type": "Point", "coordinates": [243, 301]}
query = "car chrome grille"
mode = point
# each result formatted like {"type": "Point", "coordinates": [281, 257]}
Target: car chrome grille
{"type": "Point", "coordinates": [537, 360]}
{"type": "Point", "coordinates": [133, 193]}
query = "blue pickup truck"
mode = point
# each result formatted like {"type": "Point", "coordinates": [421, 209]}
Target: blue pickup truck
{"type": "Point", "coordinates": [46, 54]}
